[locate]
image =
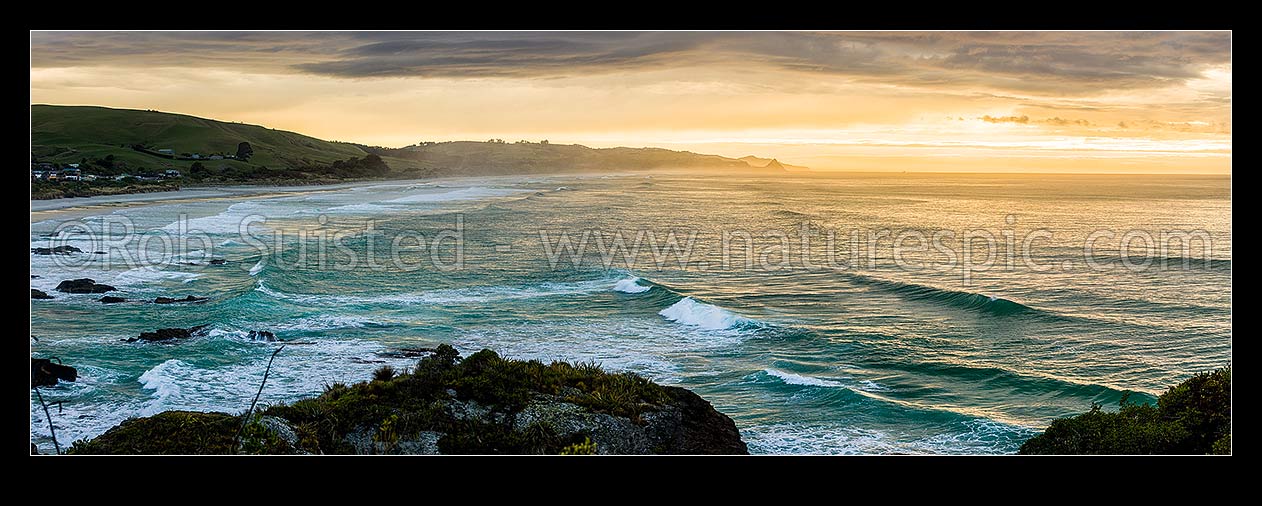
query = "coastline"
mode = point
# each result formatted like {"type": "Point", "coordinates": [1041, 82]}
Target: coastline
{"type": "Point", "coordinates": [78, 207]}
{"type": "Point", "coordinates": [75, 207]}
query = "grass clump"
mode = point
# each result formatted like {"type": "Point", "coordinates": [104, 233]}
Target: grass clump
{"type": "Point", "coordinates": [587, 447]}
{"type": "Point", "coordinates": [1193, 417]}
{"type": "Point", "coordinates": [400, 405]}
{"type": "Point", "coordinates": [167, 433]}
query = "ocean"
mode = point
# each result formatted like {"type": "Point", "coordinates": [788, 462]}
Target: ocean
{"type": "Point", "coordinates": [824, 313]}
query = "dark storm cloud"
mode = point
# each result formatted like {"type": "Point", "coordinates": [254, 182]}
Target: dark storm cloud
{"type": "Point", "coordinates": [502, 54]}
{"type": "Point", "coordinates": [1032, 62]}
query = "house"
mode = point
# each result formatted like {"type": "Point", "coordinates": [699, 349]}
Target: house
{"type": "Point", "coordinates": [53, 175]}
{"type": "Point", "coordinates": [171, 173]}
{"type": "Point", "coordinates": [196, 156]}
{"type": "Point", "coordinates": [89, 177]}
{"type": "Point", "coordinates": [121, 177]}
{"type": "Point", "coordinates": [71, 175]}
{"type": "Point", "coordinates": [72, 165]}
{"type": "Point", "coordinates": [216, 157]}
{"type": "Point", "coordinates": [167, 151]}
{"type": "Point", "coordinates": [37, 175]}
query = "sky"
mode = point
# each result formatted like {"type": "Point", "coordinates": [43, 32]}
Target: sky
{"type": "Point", "coordinates": [1144, 102]}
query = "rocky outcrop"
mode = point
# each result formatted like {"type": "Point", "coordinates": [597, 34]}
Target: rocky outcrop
{"type": "Point", "coordinates": [83, 285]}
{"type": "Point", "coordinates": [110, 299]}
{"type": "Point", "coordinates": [44, 373]}
{"type": "Point", "coordinates": [56, 250]}
{"type": "Point", "coordinates": [38, 294]}
{"type": "Point", "coordinates": [218, 261]}
{"type": "Point", "coordinates": [480, 404]}
{"type": "Point", "coordinates": [172, 334]}
{"type": "Point", "coordinates": [261, 335]}
{"type": "Point", "coordinates": [169, 300]}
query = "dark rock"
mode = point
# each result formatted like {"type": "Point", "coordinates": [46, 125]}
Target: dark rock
{"type": "Point", "coordinates": [171, 334]}
{"type": "Point", "coordinates": [56, 250]}
{"type": "Point", "coordinates": [37, 294]}
{"type": "Point", "coordinates": [98, 252]}
{"type": "Point", "coordinates": [702, 429]}
{"type": "Point", "coordinates": [44, 373]}
{"type": "Point", "coordinates": [262, 335]}
{"type": "Point", "coordinates": [83, 285]}
{"type": "Point", "coordinates": [168, 300]}
{"type": "Point", "coordinates": [109, 299]}
{"type": "Point", "coordinates": [34, 276]}
{"type": "Point", "coordinates": [218, 261]}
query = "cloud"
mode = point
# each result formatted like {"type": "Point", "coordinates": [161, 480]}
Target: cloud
{"type": "Point", "coordinates": [1025, 120]}
{"type": "Point", "coordinates": [1006, 119]}
{"type": "Point", "coordinates": [1042, 63]}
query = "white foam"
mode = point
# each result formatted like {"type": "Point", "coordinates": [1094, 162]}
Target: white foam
{"type": "Point", "coordinates": [798, 379]}
{"type": "Point", "coordinates": [364, 208]}
{"type": "Point", "coordinates": [472, 295]}
{"type": "Point", "coordinates": [147, 275]}
{"type": "Point", "coordinates": [473, 193]}
{"type": "Point", "coordinates": [872, 386]}
{"type": "Point", "coordinates": [699, 314]}
{"type": "Point", "coordinates": [629, 285]}
{"type": "Point", "coordinates": [299, 371]}
{"type": "Point", "coordinates": [258, 267]}
{"type": "Point", "coordinates": [325, 322]}
{"type": "Point", "coordinates": [970, 437]}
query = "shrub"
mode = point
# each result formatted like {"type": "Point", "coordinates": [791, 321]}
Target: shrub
{"type": "Point", "coordinates": [587, 447]}
{"type": "Point", "coordinates": [1193, 417]}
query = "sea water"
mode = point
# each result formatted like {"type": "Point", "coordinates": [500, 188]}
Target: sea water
{"type": "Point", "coordinates": [824, 313]}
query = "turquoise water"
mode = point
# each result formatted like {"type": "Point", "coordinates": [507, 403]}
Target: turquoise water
{"type": "Point", "coordinates": [828, 348]}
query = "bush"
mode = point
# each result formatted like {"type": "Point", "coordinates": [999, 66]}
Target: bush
{"type": "Point", "coordinates": [1193, 417]}
{"type": "Point", "coordinates": [400, 405]}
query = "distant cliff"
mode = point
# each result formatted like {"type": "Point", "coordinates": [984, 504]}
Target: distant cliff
{"type": "Point", "coordinates": [480, 404]}
{"type": "Point", "coordinates": [107, 141]}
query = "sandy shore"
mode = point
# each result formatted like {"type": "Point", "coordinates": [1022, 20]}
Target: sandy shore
{"type": "Point", "coordinates": [70, 208]}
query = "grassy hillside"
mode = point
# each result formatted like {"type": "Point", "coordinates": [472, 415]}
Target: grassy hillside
{"type": "Point", "coordinates": [69, 134]}
{"type": "Point", "coordinates": [487, 158]}
{"type": "Point", "coordinates": [75, 134]}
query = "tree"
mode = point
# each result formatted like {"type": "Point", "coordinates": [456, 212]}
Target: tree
{"type": "Point", "coordinates": [197, 168]}
{"type": "Point", "coordinates": [244, 151]}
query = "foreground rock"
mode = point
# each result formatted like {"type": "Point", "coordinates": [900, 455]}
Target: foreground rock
{"type": "Point", "coordinates": [56, 250]}
{"type": "Point", "coordinates": [172, 334]}
{"type": "Point", "coordinates": [110, 299]}
{"type": "Point", "coordinates": [83, 285]}
{"type": "Point", "coordinates": [482, 404]}
{"type": "Point", "coordinates": [168, 300]}
{"type": "Point", "coordinates": [38, 294]}
{"type": "Point", "coordinates": [44, 373]}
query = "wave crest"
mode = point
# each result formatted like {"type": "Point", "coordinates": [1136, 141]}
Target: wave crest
{"type": "Point", "coordinates": [699, 314]}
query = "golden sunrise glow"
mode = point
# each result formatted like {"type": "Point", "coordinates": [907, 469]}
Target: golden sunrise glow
{"type": "Point", "coordinates": [940, 101]}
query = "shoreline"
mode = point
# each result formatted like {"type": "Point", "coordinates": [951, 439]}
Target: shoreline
{"type": "Point", "coordinates": [78, 207]}
{"type": "Point", "coordinates": [74, 207]}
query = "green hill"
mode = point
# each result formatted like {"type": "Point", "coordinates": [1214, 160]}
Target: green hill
{"type": "Point", "coordinates": [116, 141]}
{"type": "Point", "coordinates": [495, 158]}
{"type": "Point", "coordinates": [70, 134]}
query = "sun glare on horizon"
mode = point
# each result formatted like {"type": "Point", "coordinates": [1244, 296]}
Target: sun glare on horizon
{"type": "Point", "coordinates": [937, 101]}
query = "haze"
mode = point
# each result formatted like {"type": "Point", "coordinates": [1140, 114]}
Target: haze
{"type": "Point", "coordinates": [902, 101]}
